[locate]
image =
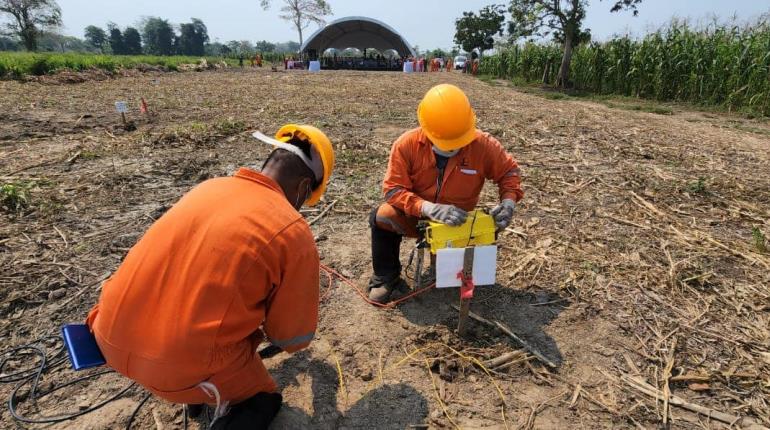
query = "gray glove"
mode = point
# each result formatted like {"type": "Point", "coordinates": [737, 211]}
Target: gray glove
{"type": "Point", "coordinates": [446, 214]}
{"type": "Point", "coordinates": [503, 213]}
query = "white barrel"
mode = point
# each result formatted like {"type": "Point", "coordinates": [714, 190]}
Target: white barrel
{"type": "Point", "coordinates": [408, 67]}
{"type": "Point", "coordinates": [315, 66]}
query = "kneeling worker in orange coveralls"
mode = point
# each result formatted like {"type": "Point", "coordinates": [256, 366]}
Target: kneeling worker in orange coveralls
{"type": "Point", "coordinates": [436, 172]}
{"type": "Point", "coordinates": [231, 262]}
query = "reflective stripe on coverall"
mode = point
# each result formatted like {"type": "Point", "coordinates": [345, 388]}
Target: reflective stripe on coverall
{"type": "Point", "coordinates": [188, 304]}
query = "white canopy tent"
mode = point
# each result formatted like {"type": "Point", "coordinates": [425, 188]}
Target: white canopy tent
{"type": "Point", "coordinates": [358, 32]}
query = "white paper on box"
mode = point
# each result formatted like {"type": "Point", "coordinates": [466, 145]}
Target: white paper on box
{"type": "Point", "coordinates": [121, 107]}
{"type": "Point", "coordinates": [449, 262]}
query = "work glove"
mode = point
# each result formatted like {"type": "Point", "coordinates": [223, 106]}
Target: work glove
{"type": "Point", "coordinates": [503, 214]}
{"type": "Point", "coordinates": [446, 214]}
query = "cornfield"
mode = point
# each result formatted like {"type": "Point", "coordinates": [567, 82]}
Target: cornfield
{"type": "Point", "coordinates": [726, 66]}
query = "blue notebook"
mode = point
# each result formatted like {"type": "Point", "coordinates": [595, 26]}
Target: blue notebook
{"type": "Point", "coordinates": [81, 346]}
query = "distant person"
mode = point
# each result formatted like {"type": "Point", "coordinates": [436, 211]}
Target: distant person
{"type": "Point", "coordinates": [436, 172]}
{"type": "Point", "coordinates": [449, 64]}
{"type": "Point", "coordinates": [240, 60]}
{"type": "Point", "coordinates": [229, 265]}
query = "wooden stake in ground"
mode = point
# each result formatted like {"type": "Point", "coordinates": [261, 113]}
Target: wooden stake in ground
{"type": "Point", "coordinates": [505, 329]}
{"type": "Point", "coordinates": [466, 291]}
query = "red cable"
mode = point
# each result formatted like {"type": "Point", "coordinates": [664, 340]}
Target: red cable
{"type": "Point", "coordinates": [329, 283]}
{"type": "Point", "coordinates": [329, 272]}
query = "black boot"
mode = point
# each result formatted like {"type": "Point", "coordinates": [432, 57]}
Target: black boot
{"type": "Point", "coordinates": [255, 413]}
{"type": "Point", "coordinates": [386, 246]}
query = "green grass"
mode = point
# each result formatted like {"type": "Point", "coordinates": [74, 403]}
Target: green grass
{"type": "Point", "coordinates": [656, 109]}
{"type": "Point", "coordinates": [14, 197]}
{"type": "Point", "coordinates": [15, 65]}
{"type": "Point", "coordinates": [490, 80]}
{"type": "Point", "coordinates": [760, 241]}
{"type": "Point", "coordinates": [611, 101]}
{"type": "Point", "coordinates": [698, 187]}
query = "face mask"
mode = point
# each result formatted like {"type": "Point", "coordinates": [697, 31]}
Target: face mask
{"type": "Point", "coordinates": [448, 154]}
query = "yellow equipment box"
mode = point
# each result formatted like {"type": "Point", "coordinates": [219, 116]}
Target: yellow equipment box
{"type": "Point", "coordinates": [479, 229]}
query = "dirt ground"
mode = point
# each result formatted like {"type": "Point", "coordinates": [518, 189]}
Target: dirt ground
{"type": "Point", "coordinates": [636, 263]}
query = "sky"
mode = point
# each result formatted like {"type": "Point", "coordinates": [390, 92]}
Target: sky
{"type": "Point", "coordinates": [428, 24]}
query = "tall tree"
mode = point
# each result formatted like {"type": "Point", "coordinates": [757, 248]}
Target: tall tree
{"type": "Point", "coordinates": [132, 41]}
{"type": "Point", "coordinates": [158, 36]}
{"type": "Point", "coordinates": [265, 46]}
{"type": "Point", "coordinates": [290, 47]}
{"type": "Point", "coordinates": [117, 44]}
{"type": "Point", "coordinates": [30, 18]}
{"type": "Point", "coordinates": [243, 47]}
{"type": "Point", "coordinates": [96, 37]}
{"type": "Point", "coordinates": [215, 49]}
{"type": "Point", "coordinates": [52, 41]}
{"type": "Point", "coordinates": [562, 17]}
{"type": "Point", "coordinates": [302, 13]}
{"type": "Point", "coordinates": [193, 37]}
{"type": "Point", "coordinates": [8, 44]}
{"type": "Point", "coordinates": [477, 31]}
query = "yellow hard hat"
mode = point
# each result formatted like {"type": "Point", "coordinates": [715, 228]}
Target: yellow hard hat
{"type": "Point", "coordinates": [446, 117]}
{"type": "Point", "coordinates": [322, 145]}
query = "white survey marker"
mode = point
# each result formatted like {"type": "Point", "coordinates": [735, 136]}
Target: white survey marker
{"type": "Point", "coordinates": [449, 262]}
{"type": "Point", "coordinates": [121, 107]}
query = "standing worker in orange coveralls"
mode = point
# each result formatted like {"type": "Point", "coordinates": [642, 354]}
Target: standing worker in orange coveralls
{"type": "Point", "coordinates": [230, 263]}
{"type": "Point", "coordinates": [436, 172]}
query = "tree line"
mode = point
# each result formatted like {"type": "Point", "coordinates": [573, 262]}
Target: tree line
{"type": "Point", "coordinates": [32, 25]}
{"type": "Point", "coordinates": [157, 37]}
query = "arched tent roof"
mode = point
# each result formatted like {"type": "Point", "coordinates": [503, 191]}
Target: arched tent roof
{"type": "Point", "coordinates": [359, 32]}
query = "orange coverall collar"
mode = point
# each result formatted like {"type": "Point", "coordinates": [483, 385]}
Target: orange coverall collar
{"type": "Point", "coordinates": [254, 176]}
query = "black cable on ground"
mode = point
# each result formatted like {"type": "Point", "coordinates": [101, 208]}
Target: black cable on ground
{"type": "Point", "coordinates": [32, 374]}
{"type": "Point", "coordinates": [136, 411]}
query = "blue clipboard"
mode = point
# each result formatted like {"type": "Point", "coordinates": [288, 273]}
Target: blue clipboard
{"type": "Point", "coordinates": [81, 346]}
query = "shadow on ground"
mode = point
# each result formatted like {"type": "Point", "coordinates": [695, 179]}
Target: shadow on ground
{"type": "Point", "coordinates": [393, 406]}
{"type": "Point", "coordinates": [526, 313]}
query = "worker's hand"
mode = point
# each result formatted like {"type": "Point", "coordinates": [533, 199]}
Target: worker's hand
{"type": "Point", "coordinates": [446, 214]}
{"type": "Point", "coordinates": [503, 214]}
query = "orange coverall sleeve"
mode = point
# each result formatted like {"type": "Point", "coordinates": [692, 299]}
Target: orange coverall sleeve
{"type": "Point", "coordinates": [503, 169]}
{"type": "Point", "coordinates": [397, 185]}
{"type": "Point", "coordinates": [291, 315]}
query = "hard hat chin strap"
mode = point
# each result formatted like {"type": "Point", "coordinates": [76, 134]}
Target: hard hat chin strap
{"type": "Point", "coordinates": [448, 154]}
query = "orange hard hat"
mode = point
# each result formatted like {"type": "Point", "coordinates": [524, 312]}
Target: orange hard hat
{"type": "Point", "coordinates": [446, 117]}
{"type": "Point", "coordinates": [322, 145]}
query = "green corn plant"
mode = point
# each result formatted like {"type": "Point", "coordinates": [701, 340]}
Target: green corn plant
{"type": "Point", "coordinates": [715, 65]}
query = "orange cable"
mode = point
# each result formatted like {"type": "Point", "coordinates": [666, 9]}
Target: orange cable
{"type": "Point", "coordinates": [390, 305]}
